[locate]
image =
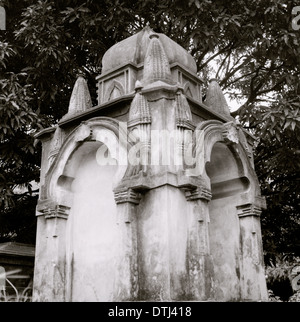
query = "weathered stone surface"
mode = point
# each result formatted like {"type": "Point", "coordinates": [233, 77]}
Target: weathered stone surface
{"type": "Point", "coordinates": [166, 226]}
{"type": "Point", "coordinates": [80, 98]}
{"type": "Point", "coordinates": [133, 49]}
{"type": "Point", "coordinates": [215, 98]}
{"type": "Point", "coordinates": [146, 55]}
{"type": "Point", "coordinates": [156, 63]}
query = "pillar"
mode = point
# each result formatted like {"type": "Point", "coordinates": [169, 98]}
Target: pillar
{"type": "Point", "coordinates": [199, 260]}
{"type": "Point", "coordinates": [49, 283]}
{"type": "Point", "coordinates": [126, 284]}
{"type": "Point", "coordinates": [253, 285]}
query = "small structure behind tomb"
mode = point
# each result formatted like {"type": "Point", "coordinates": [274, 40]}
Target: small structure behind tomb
{"type": "Point", "coordinates": [16, 265]}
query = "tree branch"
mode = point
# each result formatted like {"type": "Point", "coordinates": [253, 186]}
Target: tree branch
{"type": "Point", "coordinates": [221, 51]}
{"type": "Point", "coordinates": [234, 70]}
{"type": "Point", "coordinates": [239, 78]}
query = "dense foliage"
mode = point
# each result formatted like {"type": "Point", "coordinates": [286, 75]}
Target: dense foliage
{"type": "Point", "coordinates": [250, 46]}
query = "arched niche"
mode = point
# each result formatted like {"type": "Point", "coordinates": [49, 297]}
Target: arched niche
{"type": "Point", "coordinates": [99, 130]}
{"type": "Point", "coordinates": [114, 90]}
{"type": "Point", "coordinates": [82, 178]}
{"type": "Point", "coordinates": [228, 182]}
{"type": "Point", "coordinates": [91, 232]}
{"type": "Point", "coordinates": [226, 172]}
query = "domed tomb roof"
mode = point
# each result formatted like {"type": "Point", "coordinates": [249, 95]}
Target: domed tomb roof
{"type": "Point", "coordinates": [133, 50]}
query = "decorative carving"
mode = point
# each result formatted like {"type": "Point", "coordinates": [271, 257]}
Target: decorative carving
{"type": "Point", "coordinates": [248, 209]}
{"type": "Point", "coordinates": [139, 121]}
{"type": "Point", "coordinates": [59, 211]}
{"type": "Point", "coordinates": [84, 132]}
{"type": "Point", "coordinates": [230, 133]}
{"type": "Point", "coordinates": [183, 112]}
{"type": "Point", "coordinates": [215, 98]}
{"type": "Point", "coordinates": [187, 90]}
{"type": "Point", "coordinates": [55, 145]}
{"type": "Point", "coordinates": [247, 147]}
{"type": "Point", "coordinates": [115, 90]}
{"type": "Point", "coordinates": [50, 209]}
{"type": "Point", "coordinates": [80, 98]}
{"type": "Point", "coordinates": [156, 63]}
{"type": "Point", "coordinates": [198, 193]}
{"type": "Point", "coordinates": [127, 195]}
{"type": "Point", "coordinates": [139, 112]}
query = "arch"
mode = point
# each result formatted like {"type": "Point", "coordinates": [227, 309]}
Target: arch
{"type": "Point", "coordinates": [227, 183]}
{"type": "Point", "coordinates": [83, 176]}
{"type": "Point", "coordinates": [92, 235]}
{"type": "Point", "coordinates": [226, 172]}
{"type": "Point", "coordinates": [226, 168]}
{"type": "Point", "coordinates": [206, 135]}
{"type": "Point", "coordinates": [114, 90]}
{"type": "Point", "coordinates": [187, 89]}
{"type": "Point", "coordinates": [61, 171]}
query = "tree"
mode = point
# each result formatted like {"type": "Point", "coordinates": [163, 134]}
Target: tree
{"type": "Point", "coordinates": [251, 47]}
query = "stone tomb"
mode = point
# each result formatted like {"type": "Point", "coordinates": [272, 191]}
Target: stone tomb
{"type": "Point", "coordinates": [152, 194]}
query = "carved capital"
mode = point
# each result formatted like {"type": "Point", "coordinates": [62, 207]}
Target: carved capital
{"type": "Point", "coordinates": [230, 133]}
{"type": "Point", "coordinates": [50, 209]}
{"type": "Point", "coordinates": [186, 124]}
{"type": "Point", "coordinates": [59, 211]}
{"type": "Point", "coordinates": [248, 209]}
{"type": "Point", "coordinates": [127, 195]}
{"type": "Point", "coordinates": [198, 193]}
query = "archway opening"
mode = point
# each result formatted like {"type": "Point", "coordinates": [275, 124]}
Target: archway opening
{"type": "Point", "coordinates": [92, 235]}
{"type": "Point", "coordinates": [227, 178]}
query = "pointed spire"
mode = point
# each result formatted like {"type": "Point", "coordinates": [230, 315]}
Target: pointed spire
{"type": "Point", "coordinates": [183, 111]}
{"type": "Point", "coordinates": [55, 144]}
{"type": "Point", "coordinates": [147, 27]}
{"type": "Point", "coordinates": [156, 63]}
{"type": "Point", "coordinates": [215, 98]}
{"type": "Point", "coordinates": [80, 99]}
{"type": "Point", "coordinates": [139, 112]}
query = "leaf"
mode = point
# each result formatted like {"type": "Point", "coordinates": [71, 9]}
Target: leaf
{"type": "Point", "coordinates": [278, 137]}
{"type": "Point", "coordinates": [287, 123]}
{"type": "Point", "coordinates": [15, 105]}
{"type": "Point", "coordinates": [197, 3]}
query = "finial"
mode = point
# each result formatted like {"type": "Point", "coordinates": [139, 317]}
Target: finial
{"type": "Point", "coordinates": [80, 99]}
{"type": "Point", "coordinates": [153, 35]}
{"type": "Point", "coordinates": [81, 73]}
{"type": "Point", "coordinates": [215, 97]}
{"type": "Point", "coordinates": [156, 62]}
{"type": "Point", "coordinates": [147, 26]}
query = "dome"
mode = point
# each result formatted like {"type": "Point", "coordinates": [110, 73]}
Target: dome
{"type": "Point", "coordinates": [133, 50]}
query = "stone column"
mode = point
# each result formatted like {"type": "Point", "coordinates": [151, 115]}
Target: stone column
{"type": "Point", "coordinates": [163, 244]}
{"type": "Point", "coordinates": [199, 260]}
{"type": "Point", "coordinates": [154, 266]}
{"type": "Point", "coordinates": [126, 284]}
{"type": "Point", "coordinates": [49, 284]}
{"type": "Point", "coordinates": [253, 285]}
